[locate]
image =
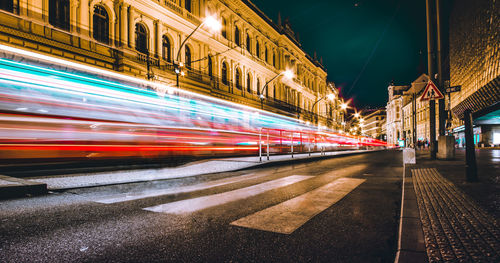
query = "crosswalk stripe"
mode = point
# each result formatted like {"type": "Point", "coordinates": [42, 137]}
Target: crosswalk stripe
{"type": "Point", "coordinates": [199, 203]}
{"type": "Point", "coordinates": [287, 216]}
{"type": "Point", "coordinates": [183, 189]}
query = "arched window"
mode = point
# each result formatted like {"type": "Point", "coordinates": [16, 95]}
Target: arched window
{"type": "Point", "coordinates": [101, 24]}
{"type": "Point", "coordinates": [266, 58]}
{"type": "Point", "coordinates": [237, 78]}
{"type": "Point", "coordinates": [188, 57]}
{"type": "Point", "coordinates": [249, 44]}
{"type": "Point", "coordinates": [59, 13]}
{"type": "Point", "coordinates": [237, 36]}
{"type": "Point", "coordinates": [249, 83]}
{"type": "Point", "coordinates": [224, 73]}
{"type": "Point", "coordinates": [7, 5]}
{"type": "Point", "coordinates": [210, 66]}
{"type": "Point", "coordinates": [166, 49]}
{"type": "Point", "coordinates": [224, 27]}
{"type": "Point", "coordinates": [187, 5]}
{"type": "Point", "coordinates": [274, 59]}
{"type": "Point", "coordinates": [257, 49]}
{"type": "Point", "coordinates": [141, 38]}
{"type": "Point", "coordinates": [258, 87]}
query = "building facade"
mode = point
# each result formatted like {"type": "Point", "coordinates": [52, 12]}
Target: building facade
{"type": "Point", "coordinates": [394, 125]}
{"type": "Point", "coordinates": [475, 65]}
{"type": "Point", "coordinates": [374, 124]}
{"type": "Point", "coordinates": [144, 38]}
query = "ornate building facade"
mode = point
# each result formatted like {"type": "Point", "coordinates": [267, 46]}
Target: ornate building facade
{"type": "Point", "coordinates": [143, 38]}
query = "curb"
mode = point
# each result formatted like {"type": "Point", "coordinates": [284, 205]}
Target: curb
{"type": "Point", "coordinates": [250, 165]}
{"type": "Point", "coordinates": [18, 187]}
{"type": "Point", "coordinates": [302, 160]}
{"type": "Point", "coordinates": [411, 244]}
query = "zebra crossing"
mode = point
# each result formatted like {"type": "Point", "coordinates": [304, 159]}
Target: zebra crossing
{"type": "Point", "coordinates": [284, 217]}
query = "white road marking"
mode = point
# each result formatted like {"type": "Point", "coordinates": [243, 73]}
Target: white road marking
{"type": "Point", "coordinates": [286, 217]}
{"type": "Point", "coordinates": [183, 189]}
{"type": "Point", "coordinates": [195, 204]}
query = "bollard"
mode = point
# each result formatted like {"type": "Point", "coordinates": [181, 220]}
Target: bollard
{"type": "Point", "coordinates": [260, 146]}
{"type": "Point", "coordinates": [268, 144]}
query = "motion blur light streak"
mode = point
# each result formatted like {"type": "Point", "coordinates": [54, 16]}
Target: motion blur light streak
{"type": "Point", "coordinates": [52, 114]}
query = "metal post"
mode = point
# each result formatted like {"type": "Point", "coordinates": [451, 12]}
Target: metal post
{"type": "Point", "coordinates": [431, 70]}
{"type": "Point", "coordinates": [268, 144]}
{"type": "Point", "coordinates": [309, 143]}
{"type": "Point", "coordinates": [414, 133]}
{"type": "Point", "coordinates": [292, 144]}
{"type": "Point", "coordinates": [301, 145]}
{"type": "Point", "coordinates": [281, 141]}
{"type": "Point", "coordinates": [470, 154]}
{"type": "Point", "coordinates": [440, 70]}
{"type": "Point", "coordinates": [260, 146]}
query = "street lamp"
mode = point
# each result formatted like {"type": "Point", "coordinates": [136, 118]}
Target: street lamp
{"type": "Point", "coordinates": [212, 24]}
{"type": "Point", "coordinates": [330, 97]}
{"type": "Point", "coordinates": [288, 74]}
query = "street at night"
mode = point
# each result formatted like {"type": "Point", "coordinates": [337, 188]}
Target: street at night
{"type": "Point", "coordinates": [89, 225]}
{"type": "Point", "coordinates": [249, 131]}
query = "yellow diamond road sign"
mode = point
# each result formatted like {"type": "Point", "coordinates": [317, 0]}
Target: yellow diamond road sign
{"type": "Point", "coordinates": [431, 92]}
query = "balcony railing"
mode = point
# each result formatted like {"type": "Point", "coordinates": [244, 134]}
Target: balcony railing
{"type": "Point", "coordinates": [229, 89]}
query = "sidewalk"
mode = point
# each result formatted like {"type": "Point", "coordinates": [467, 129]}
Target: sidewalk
{"type": "Point", "coordinates": [191, 169]}
{"type": "Point", "coordinates": [446, 219]}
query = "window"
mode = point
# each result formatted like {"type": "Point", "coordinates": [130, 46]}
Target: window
{"type": "Point", "coordinates": [224, 27]}
{"type": "Point", "coordinates": [187, 5]}
{"type": "Point", "coordinates": [237, 78]}
{"type": "Point", "coordinates": [7, 5]}
{"type": "Point", "coordinates": [249, 83]}
{"type": "Point", "coordinates": [237, 36]}
{"type": "Point", "coordinates": [141, 38]}
{"type": "Point", "coordinates": [257, 49]}
{"type": "Point", "coordinates": [258, 87]}
{"type": "Point", "coordinates": [224, 73]}
{"type": "Point", "coordinates": [266, 55]}
{"type": "Point", "coordinates": [188, 57]}
{"type": "Point", "coordinates": [274, 59]}
{"type": "Point", "coordinates": [166, 49]}
{"type": "Point", "coordinates": [249, 44]}
{"type": "Point", "coordinates": [210, 67]}
{"type": "Point", "coordinates": [59, 13]}
{"type": "Point", "coordinates": [101, 24]}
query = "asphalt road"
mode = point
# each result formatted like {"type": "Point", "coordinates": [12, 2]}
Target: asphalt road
{"type": "Point", "coordinates": [343, 209]}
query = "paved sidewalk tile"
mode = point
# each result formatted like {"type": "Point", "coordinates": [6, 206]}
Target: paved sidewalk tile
{"type": "Point", "coordinates": [456, 229]}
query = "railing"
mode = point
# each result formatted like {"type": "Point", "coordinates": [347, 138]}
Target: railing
{"type": "Point", "coordinates": [145, 57]}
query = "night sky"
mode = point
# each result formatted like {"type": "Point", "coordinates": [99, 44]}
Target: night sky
{"type": "Point", "coordinates": [364, 44]}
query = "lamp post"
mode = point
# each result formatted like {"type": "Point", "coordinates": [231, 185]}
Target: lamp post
{"type": "Point", "coordinates": [213, 24]}
{"type": "Point", "coordinates": [330, 97]}
{"type": "Point", "coordinates": [288, 75]}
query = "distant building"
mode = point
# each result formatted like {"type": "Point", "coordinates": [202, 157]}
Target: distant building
{"type": "Point", "coordinates": [394, 107]}
{"type": "Point", "coordinates": [374, 124]}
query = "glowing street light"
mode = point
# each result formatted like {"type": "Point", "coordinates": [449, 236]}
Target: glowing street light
{"type": "Point", "coordinates": [288, 74]}
{"type": "Point", "coordinates": [213, 25]}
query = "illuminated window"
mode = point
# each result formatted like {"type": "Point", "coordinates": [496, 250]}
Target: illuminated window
{"type": "Point", "coordinates": [249, 83]}
{"type": "Point", "coordinates": [237, 36]}
{"type": "Point", "coordinates": [237, 78]}
{"type": "Point", "coordinates": [249, 44]}
{"type": "Point", "coordinates": [141, 38]}
{"type": "Point", "coordinates": [224, 27]}
{"type": "Point", "coordinates": [101, 24]}
{"type": "Point", "coordinates": [187, 5]}
{"type": "Point", "coordinates": [7, 5]}
{"type": "Point", "coordinates": [224, 73]}
{"type": "Point", "coordinates": [210, 66]}
{"type": "Point", "coordinates": [166, 49]}
{"type": "Point", "coordinates": [188, 57]}
{"type": "Point", "coordinates": [59, 13]}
